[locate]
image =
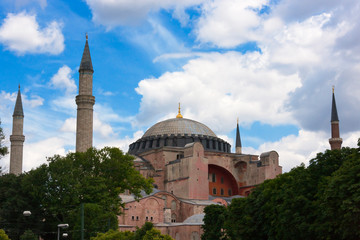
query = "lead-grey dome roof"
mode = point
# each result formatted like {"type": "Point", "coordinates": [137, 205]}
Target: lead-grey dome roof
{"type": "Point", "coordinates": [178, 126]}
{"type": "Point", "coordinates": [197, 218]}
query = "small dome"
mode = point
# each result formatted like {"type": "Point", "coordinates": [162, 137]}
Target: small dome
{"type": "Point", "coordinates": [179, 126]}
{"type": "Point", "coordinates": [197, 218]}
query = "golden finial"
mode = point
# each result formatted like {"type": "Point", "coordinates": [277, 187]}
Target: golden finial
{"type": "Point", "coordinates": [179, 114]}
{"type": "Point", "coordinates": [333, 88]}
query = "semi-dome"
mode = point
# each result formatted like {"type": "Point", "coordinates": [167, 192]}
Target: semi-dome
{"type": "Point", "coordinates": [179, 126]}
{"type": "Point", "coordinates": [177, 132]}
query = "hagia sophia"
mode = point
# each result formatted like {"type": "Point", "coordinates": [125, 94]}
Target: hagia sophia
{"type": "Point", "coordinates": [191, 167]}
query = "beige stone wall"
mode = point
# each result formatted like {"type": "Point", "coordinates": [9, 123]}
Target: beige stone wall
{"type": "Point", "coordinates": [18, 125]}
{"type": "Point", "coordinates": [85, 83]}
{"type": "Point", "coordinates": [85, 102]}
{"type": "Point", "coordinates": [16, 147]}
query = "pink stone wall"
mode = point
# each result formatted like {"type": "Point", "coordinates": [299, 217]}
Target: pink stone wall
{"type": "Point", "coordinates": [198, 172]}
{"type": "Point", "coordinates": [188, 177]}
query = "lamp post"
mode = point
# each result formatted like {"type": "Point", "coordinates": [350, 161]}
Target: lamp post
{"type": "Point", "coordinates": [27, 213]}
{"type": "Point", "coordinates": [62, 225]}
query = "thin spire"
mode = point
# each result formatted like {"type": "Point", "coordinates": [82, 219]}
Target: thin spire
{"type": "Point", "coordinates": [179, 113]}
{"type": "Point", "coordinates": [18, 110]}
{"type": "Point", "coordinates": [334, 114]}
{"type": "Point", "coordinates": [86, 64]}
{"type": "Point", "coordinates": [238, 139]}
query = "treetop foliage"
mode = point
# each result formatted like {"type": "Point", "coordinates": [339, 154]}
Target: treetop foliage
{"type": "Point", "coordinates": [321, 201]}
{"type": "Point", "coordinates": [146, 232]}
{"type": "Point", "coordinates": [3, 149]}
{"type": "Point", "coordinates": [3, 235]}
{"type": "Point", "coordinates": [55, 192]}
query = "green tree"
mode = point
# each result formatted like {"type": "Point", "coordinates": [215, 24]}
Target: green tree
{"type": "Point", "coordinates": [215, 216]}
{"type": "Point", "coordinates": [321, 201]}
{"type": "Point", "coordinates": [3, 235]}
{"type": "Point", "coordinates": [339, 201]}
{"type": "Point", "coordinates": [140, 232]}
{"type": "Point", "coordinates": [13, 201]}
{"type": "Point", "coordinates": [146, 232]}
{"type": "Point", "coordinates": [114, 235]}
{"type": "Point", "coordinates": [154, 234]}
{"type": "Point", "coordinates": [28, 235]}
{"type": "Point", "coordinates": [54, 193]}
{"type": "Point", "coordinates": [3, 148]}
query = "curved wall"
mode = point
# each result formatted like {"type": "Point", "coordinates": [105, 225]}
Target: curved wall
{"type": "Point", "coordinates": [221, 182]}
{"type": "Point", "coordinates": [154, 142]}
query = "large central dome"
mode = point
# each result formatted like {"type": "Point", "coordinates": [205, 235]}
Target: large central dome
{"type": "Point", "coordinates": [177, 132]}
{"type": "Point", "coordinates": [179, 126]}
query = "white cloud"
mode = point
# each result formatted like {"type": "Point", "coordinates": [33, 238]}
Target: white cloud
{"type": "Point", "coordinates": [63, 80]}
{"type": "Point", "coordinates": [294, 150]}
{"type": "Point", "coordinates": [35, 153]}
{"type": "Point", "coordinates": [298, 10]}
{"type": "Point", "coordinates": [65, 104]}
{"type": "Point", "coordinates": [309, 42]}
{"type": "Point", "coordinates": [69, 125]}
{"type": "Point", "coordinates": [228, 23]}
{"type": "Point", "coordinates": [122, 143]}
{"type": "Point", "coordinates": [22, 34]}
{"type": "Point", "coordinates": [9, 99]}
{"type": "Point", "coordinates": [218, 88]}
{"type": "Point", "coordinates": [102, 129]}
{"type": "Point", "coordinates": [128, 12]}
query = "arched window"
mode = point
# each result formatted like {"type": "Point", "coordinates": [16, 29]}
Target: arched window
{"type": "Point", "coordinates": [173, 205]}
{"type": "Point", "coordinates": [173, 217]}
{"type": "Point", "coordinates": [158, 142]}
{"type": "Point", "coordinates": [213, 177]}
{"type": "Point", "coordinates": [214, 191]}
{"type": "Point", "coordinates": [222, 192]}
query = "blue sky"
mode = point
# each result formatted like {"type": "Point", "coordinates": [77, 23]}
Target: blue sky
{"type": "Point", "coordinates": [269, 63]}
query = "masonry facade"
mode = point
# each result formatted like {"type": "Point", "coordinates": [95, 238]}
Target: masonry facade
{"type": "Point", "coordinates": [85, 102]}
{"type": "Point", "coordinates": [17, 137]}
{"type": "Point", "coordinates": [194, 168]}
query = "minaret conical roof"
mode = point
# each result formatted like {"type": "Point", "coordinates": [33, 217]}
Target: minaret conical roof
{"type": "Point", "coordinates": [334, 114]}
{"type": "Point", "coordinates": [18, 110]}
{"type": "Point", "coordinates": [238, 139]}
{"type": "Point", "coordinates": [86, 64]}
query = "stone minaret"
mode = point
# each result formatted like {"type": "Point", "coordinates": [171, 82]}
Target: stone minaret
{"type": "Point", "coordinates": [85, 102]}
{"type": "Point", "coordinates": [17, 138]}
{"type": "Point", "coordinates": [238, 139]}
{"type": "Point", "coordinates": [335, 140]}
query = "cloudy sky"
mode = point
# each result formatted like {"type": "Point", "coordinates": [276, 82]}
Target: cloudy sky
{"type": "Point", "coordinates": [270, 63]}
